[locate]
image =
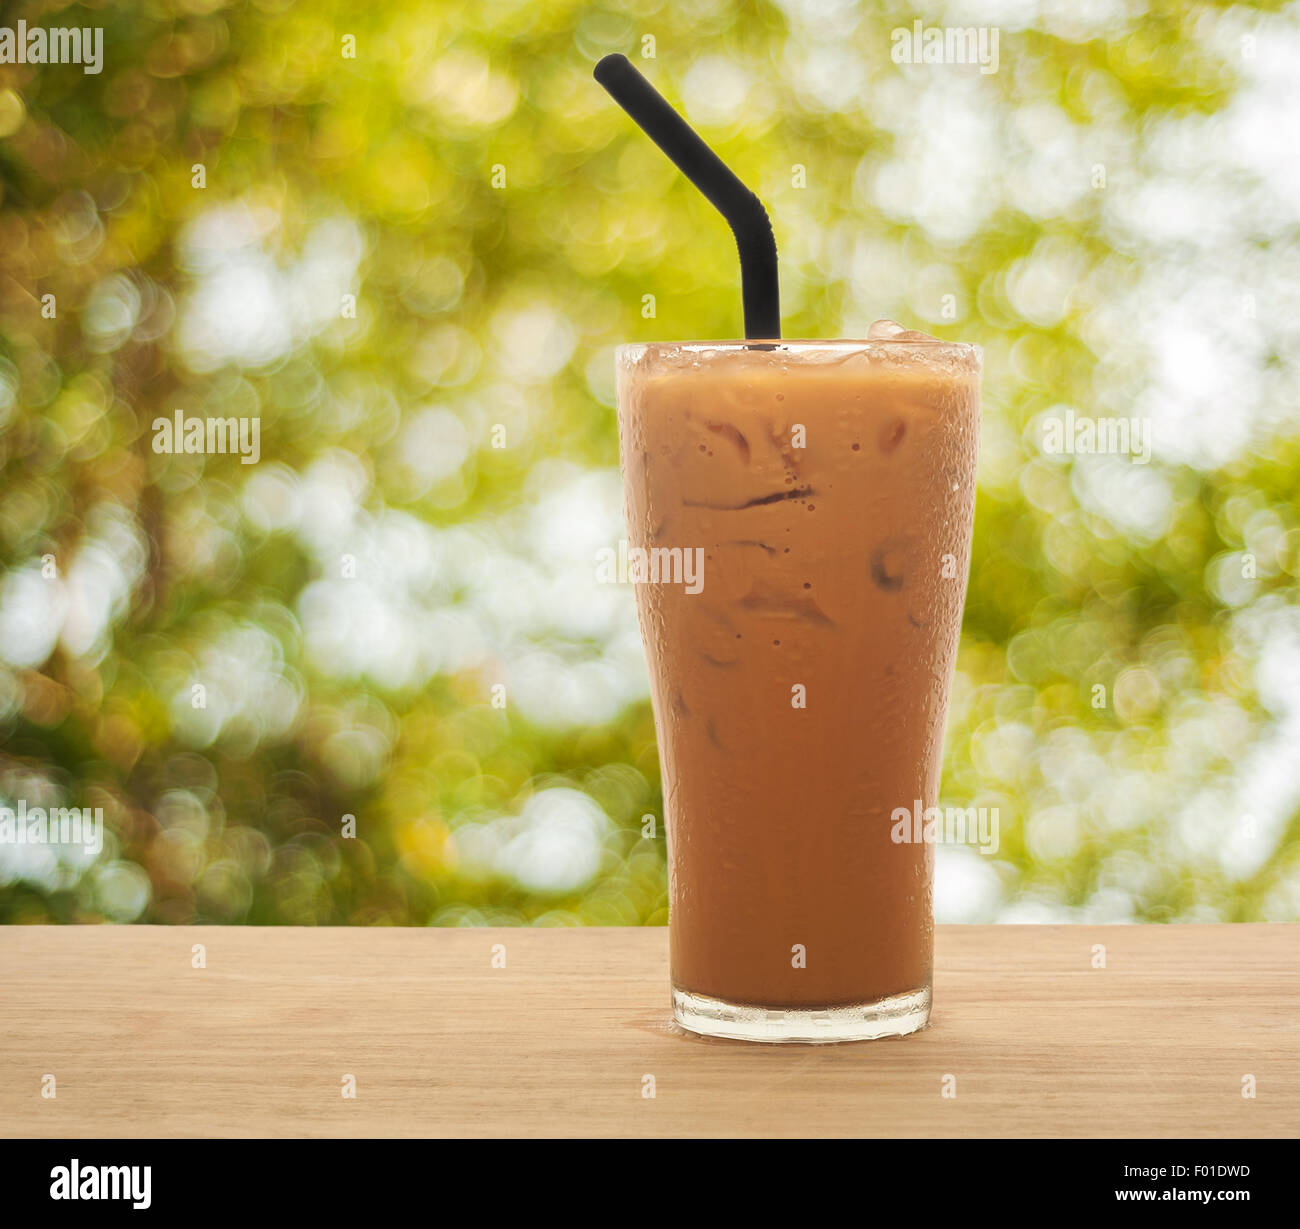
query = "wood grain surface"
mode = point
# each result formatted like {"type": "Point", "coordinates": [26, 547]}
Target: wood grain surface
{"type": "Point", "coordinates": [559, 1042]}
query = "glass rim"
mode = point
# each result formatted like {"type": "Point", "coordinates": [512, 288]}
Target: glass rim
{"type": "Point", "coordinates": [636, 349]}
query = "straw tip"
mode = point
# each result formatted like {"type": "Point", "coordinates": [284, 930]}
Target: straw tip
{"type": "Point", "coordinates": [610, 66]}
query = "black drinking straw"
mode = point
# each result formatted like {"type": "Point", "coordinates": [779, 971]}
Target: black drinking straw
{"type": "Point", "coordinates": [742, 209]}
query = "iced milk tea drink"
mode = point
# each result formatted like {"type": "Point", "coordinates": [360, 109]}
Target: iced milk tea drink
{"type": "Point", "coordinates": [800, 693]}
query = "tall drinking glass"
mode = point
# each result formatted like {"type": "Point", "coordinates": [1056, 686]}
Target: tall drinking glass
{"type": "Point", "coordinates": [800, 674]}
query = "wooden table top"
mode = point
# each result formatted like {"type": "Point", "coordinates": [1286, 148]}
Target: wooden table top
{"type": "Point", "coordinates": [1032, 1038]}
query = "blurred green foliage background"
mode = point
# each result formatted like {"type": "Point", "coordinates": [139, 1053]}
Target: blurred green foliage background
{"type": "Point", "coordinates": [412, 264]}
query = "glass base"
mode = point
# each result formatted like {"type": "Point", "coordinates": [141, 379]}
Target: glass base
{"type": "Point", "coordinates": [895, 1016]}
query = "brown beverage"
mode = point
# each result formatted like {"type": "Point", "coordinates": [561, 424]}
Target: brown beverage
{"type": "Point", "coordinates": [800, 694]}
